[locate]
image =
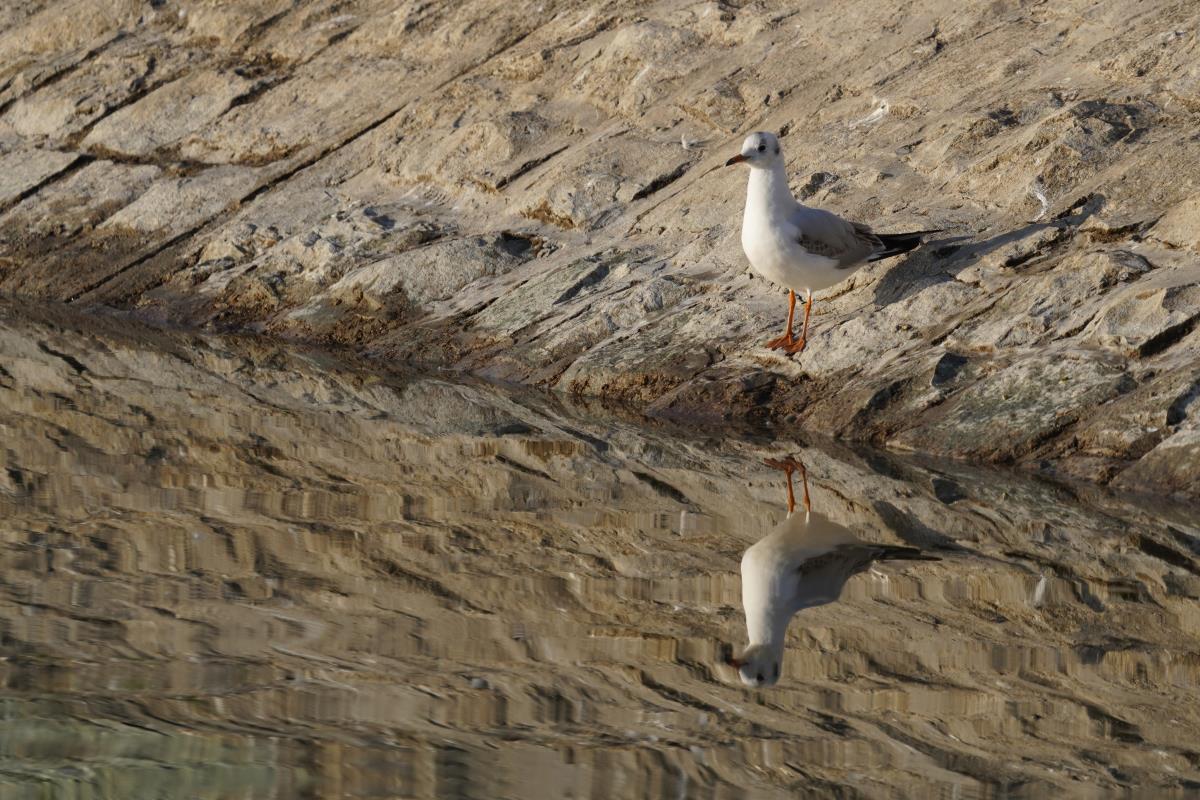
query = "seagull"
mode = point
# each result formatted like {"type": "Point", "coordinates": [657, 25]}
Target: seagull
{"type": "Point", "coordinates": [804, 562]}
{"type": "Point", "coordinates": [797, 247]}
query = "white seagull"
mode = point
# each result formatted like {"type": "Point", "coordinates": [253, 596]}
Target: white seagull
{"type": "Point", "coordinates": [804, 562]}
{"type": "Point", "coordinates": [799, 248]}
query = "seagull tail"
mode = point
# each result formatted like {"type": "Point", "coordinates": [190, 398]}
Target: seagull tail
{"type": "Point", "coordinates": [896, 243]}
{"type": "Point", "coordinates": [889, 552]}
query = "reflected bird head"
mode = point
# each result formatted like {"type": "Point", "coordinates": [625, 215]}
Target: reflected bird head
{"type": "Point", "coordinates": [758, 665]}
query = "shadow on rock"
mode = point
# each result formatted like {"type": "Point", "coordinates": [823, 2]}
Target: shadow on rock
{"type": "Point", "coordinates": [942, 259]}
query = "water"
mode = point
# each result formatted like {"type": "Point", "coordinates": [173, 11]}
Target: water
{"type": "Point", "coordinates": [234, 570]}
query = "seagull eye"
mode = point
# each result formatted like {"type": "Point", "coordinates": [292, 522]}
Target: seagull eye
{"type": "Point", "coordinates": [760, 677]}
{"type": "Point", "coordinates": [762, 148]}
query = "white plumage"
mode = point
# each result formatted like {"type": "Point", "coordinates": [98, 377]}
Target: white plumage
{"type": "Point", "coordinates": [799, 248]}
{"type": "Point", "coordinates": [805, 562]}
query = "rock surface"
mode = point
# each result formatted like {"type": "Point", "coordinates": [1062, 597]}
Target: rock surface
{"type": "Point", "coordinates": [528, 191]}
{"type": "Point", "coordinates": [231, 569]}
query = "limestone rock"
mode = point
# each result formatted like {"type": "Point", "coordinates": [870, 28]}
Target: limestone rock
{"type": "Point", "coordinates": [1151, 315]}
{"type": "Point", "coordinates": [174, 205]}
{"type": "Point", "coordinates": [1180, 226]}
{"type": "Point", "coordinates": [213, 164]}
{"type": "Point", "coordinates": [168, 114]}
{"type": "Point", "coordinates": [22, 170]}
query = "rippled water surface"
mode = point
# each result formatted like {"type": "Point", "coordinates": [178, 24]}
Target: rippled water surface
{"type": "Point", "coordinates": [231, 570]}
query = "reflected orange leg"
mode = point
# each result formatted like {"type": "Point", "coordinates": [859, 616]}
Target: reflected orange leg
{"type": "Point", "coordinates": [790, 465]}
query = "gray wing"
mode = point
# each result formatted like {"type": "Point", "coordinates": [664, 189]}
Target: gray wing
{"type": "Point", "coordinates": [826, 234]}
{"type": "Point", "coordinates": [820, 579]}
{"type": "Point", "coordinates": [851, 559]}
{"type": "Point", "coordinates": [843, 561]}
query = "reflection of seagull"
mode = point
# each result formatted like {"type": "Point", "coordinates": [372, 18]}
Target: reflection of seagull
{"type": "Point", "coordinates": [799, 248]}
{"type": "Point", "coordinates": [804, 562]}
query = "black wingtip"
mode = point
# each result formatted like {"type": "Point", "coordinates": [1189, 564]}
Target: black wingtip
{"type": "Point", "coordinates": [895, 244]}
{"type": "Point", "coordinates": [897, 553]}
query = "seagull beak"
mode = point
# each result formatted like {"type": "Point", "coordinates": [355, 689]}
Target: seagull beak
{"type": "Point", "coordinates": [734, 662]}
{"type": "Point", "coordinates": [738, 159]}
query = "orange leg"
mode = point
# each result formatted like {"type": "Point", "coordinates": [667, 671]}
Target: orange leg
{"type": "Point", "coordinates": [786, 340]}
{"type": "Point", "coordinates": [804, 478]}
{"type": "Point", "coordinates": [798, 345]}
{"type": "Point", "coordinates": [790, 465]}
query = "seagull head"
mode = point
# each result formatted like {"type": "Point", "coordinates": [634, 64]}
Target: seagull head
{"type": "Point", "coordinates": [758, 665]}
{"type": "Point", "coordinates": [761, 149]}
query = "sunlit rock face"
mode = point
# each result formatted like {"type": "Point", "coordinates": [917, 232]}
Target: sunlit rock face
{"type": "Point", "coordinates": [528, 190]}
{"type": "Point", "coordinates": [234, 570]}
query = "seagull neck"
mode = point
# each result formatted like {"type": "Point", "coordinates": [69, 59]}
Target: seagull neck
{"type": "Point", "coordinates": [768, 190]}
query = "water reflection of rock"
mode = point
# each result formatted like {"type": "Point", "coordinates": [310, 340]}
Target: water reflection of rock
{"type": "Point", "coordinates": [230, 568]}
{"type": "Point", "coordinates": [804, 562]}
